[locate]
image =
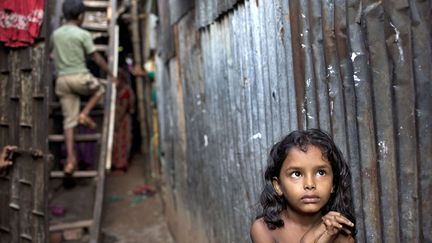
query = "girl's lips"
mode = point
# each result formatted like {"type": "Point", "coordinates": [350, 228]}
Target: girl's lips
{"type": "Point", "coordinates": [310, 199]}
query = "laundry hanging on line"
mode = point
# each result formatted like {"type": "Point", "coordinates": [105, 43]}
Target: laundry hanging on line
{"type": "Point", "coordinates": [20, 21]}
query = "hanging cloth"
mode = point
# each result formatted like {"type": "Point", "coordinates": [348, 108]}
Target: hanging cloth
{"type": "Point", "coordinates": [20, 21]}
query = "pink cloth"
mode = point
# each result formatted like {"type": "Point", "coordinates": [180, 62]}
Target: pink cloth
{"type": "Point", "coordinates": [20, 21]}
{"type": "Point", "coordinates": [123, 132]}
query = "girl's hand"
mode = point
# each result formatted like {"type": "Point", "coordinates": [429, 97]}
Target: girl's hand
{"type": "Point", "coordinates": [328, 228]}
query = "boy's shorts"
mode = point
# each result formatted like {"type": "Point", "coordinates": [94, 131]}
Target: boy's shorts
{"type": "Point", "coordinates": [69, 88]}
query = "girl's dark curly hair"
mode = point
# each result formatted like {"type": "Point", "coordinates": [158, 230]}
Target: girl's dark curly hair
{"type": "Point", "coordinates": [340, 200]}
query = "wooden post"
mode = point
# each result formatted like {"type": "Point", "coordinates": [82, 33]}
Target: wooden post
{"type": "Point", "coordinates": [139, 80]}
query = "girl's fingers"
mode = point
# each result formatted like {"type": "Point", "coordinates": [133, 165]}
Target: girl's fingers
{"type": "Point", "coordinates": [347, 231]}
{"type": "Point", "coordinates": [339, 218]}
{"type": "Point", "coordinates": [334, 222]}
{"type": "Point", "coordinates": [332, 227]}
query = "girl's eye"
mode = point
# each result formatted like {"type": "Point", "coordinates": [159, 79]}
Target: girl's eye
{"type": "Point", "coordinates": [321, 173]}
{"type": "Point", "coordinates": [295, 174]}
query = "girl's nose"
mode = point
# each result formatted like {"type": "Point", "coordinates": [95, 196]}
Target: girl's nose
{"type": "Point", "coordinates": [309, 186]}
{"type": "Point", "coordinates": [309, 183]}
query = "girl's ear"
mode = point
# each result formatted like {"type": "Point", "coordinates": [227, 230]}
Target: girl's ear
{"type": "Point", "coordinates": [276, 186]}
{"type": "Point", "coordinates": [332, 190]}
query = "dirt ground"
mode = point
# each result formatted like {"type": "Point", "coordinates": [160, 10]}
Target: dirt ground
{"type": "Point", "coordinates": [130, 213]}
{"type": "Point", "coordinates": [132, 218]}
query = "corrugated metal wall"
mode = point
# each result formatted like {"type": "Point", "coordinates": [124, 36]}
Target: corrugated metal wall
{"type": "Point", "coordinates": [234, 77]}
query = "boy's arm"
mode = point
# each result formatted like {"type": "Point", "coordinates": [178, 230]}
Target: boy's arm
{"type": "Point", "coordinates": [100, 61]}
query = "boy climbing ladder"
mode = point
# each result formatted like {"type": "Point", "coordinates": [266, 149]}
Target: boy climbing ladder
{"type": "Point", "coordinates": [70, 44]}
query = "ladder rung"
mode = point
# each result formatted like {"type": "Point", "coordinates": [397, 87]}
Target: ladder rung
{"type": "Point", "coordinates": [76, 174]}
{"type": "Point", "coordinates": [101, 48]}
{"type": "Point", "coordinates": [96, 4]}
{"type": "Point", "coordinates": [72, 225]}
{"type": "Point", "coordinates": [78, 137]}
{"type": "Point", "coordinates": [97, 34]}
{"type": "Point", "coordinates": [98, 112]}
{"type": "Point", "coordinates": [56, 105]}
{"type": "Point", "coordinates": [95, 26]}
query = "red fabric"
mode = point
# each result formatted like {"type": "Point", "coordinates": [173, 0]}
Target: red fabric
{"type": "Point", "coordinates": [123, 128]}
{"type": "Point", "coordinates": [20, 21]}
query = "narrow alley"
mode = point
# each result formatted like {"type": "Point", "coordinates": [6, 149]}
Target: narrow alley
{"type": "Point", "coordinates": [210, 121]}
{"type": "Point", "coordinates": [129, 215]}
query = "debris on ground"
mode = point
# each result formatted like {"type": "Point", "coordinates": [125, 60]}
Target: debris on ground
{"type": "Point", "coordinates": [144, 190]}
{"type": "Point", "coordinates": [137, 199]}
{"type": "Point", "coordinates": [114, 198]}
{"type": "Point", "coordinates": [57, 210]}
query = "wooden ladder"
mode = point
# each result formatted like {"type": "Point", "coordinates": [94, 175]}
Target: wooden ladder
{"type": "Point", "coordinates": [100, 21]}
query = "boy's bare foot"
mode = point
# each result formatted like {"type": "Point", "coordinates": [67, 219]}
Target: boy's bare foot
{"type": "Point", "coordinates": [87, 121]}
{"type": "Point", "coordinates": [70, 166]}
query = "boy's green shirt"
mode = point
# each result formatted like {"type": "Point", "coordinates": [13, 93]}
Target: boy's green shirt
{"type": "Point", "coordinates": [70, 45]}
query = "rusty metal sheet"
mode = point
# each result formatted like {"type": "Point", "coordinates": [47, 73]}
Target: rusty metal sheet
{"type": "Point", "coordinates": [384, 116]}
{"type": "Point", "coordinates": [189, 57]}
{"type": "Point", "coordinates": [251, 133]}
{"type": "Point", "coordinates": [333, 77]}
{"type": "Point", "coordinates": [366, 129]}
{"type": "Point", "coordinates": [319, 65]}
{"type": "Point", "coordinates": [250, 83]}
{"type": "Point", "coordinates": [165, 36]}
{"type": "Point", "coordinates": [309, 111]}
{"type": "Point", "coordinates": [207, 11]}
{"type": "Point", "coordinates": [422, 65]}
{"type": "Point", "coordinates": [353, 155]}
{"type": "Point", "coordinates": [178, 8]}
{"type": "Point", "coordinates": [400, 51]}
{"type": "Point", "coordinates": [287, 62]}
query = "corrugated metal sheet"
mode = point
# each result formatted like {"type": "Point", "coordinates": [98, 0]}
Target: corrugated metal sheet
{"type": "Point", "coordinates": [178, 8]}
{"type": "Point", "coordinates": [208, 11]}
{"type": "Point", "coordinates": [358, 69]}
{"type": "Point", "coordinates": [165, 35]}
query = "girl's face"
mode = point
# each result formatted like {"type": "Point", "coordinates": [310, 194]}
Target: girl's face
{"type": "Point", "coordinates": [305, 180]}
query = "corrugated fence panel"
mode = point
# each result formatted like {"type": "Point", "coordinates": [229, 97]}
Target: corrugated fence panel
{"type": "Point", "coordinates": [165, 34]}
{"type": "Point", "coordinates": [422, 64]}
{"type": "Point", "coordinates": [400, 51]}
{"type": "Point", "coordinates": [384, 116]}
{"type": "Point", "coordinates": [209, 10]}
{"type": "Point", "coordinates": [248, 72]}
{"type": "Point", "coordinates": [179, 8]}
{"type": "Point", "coordinates": [366, 130]}
{"type": "Point", "coordinates": [353, 155]}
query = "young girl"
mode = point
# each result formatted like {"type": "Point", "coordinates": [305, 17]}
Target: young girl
{"type": "Point", "coordinates": [306, 197]}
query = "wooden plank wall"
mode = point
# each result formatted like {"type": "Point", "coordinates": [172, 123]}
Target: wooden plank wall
{"type": "Point", "coordinates": [245, 73]}
{"type": "Point", "coordinates": [23, 109]}
{"type": "Point", "coordinates": [23, 118]}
